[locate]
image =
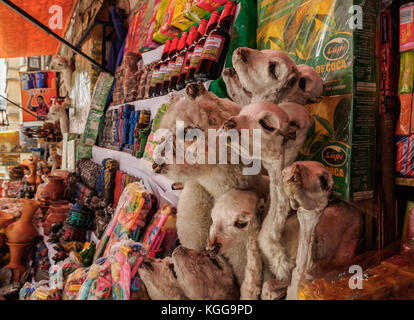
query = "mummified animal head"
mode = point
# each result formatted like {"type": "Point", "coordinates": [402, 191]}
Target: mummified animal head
{"type": "Point", "coordinates": [274, 125]}
{"type": "Point", "coordinates": [236, 215]}
{"type": "Point", "coordinates": [308, 89]}
{"type": "Point", "coordinates": [308, 184]}
{"type": "Point", "coordinates": [270, 75]}
{"type": "Point", "coordinates": [202, 277]}
{"type": "Point", "coordinates": [160, 279]}
{"type": "Point", "coordinates": [267, 74]}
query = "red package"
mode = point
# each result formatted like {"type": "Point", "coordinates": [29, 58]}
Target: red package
{"type": "Point", "coordinates": [404, 121]}
{"type": "Point", "coordinates": [401, 156]}
{"type": "Point", "coordinates": [388, 57]}
{"type": "Point", "coordinates": [410, 157]}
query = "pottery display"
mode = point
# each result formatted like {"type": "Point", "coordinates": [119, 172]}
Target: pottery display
{"type": "Point", "coordinates": [56, 213]}
{"type": "Point", "coordinates": [19, 235]}
{"type": "Point", "coordinates": [31, 179]}
{"type": "Point", "coordinates": [52, 190]}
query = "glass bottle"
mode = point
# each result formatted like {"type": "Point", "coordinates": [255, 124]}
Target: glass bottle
{"type": "Point", "coordinates": [179, 60]}
{"type": "Point", "coordinates": [216, 45]}
{"type": "Point", "coordinates": [170, 66]}
{"type": "Point", "coordinates": [195, 58]}
{"type": "Point", "coordinates": [159, 77]}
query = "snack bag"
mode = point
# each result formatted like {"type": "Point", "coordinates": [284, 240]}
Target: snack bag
{"type": "Point", "coordinates": [161, 234]}
{"type": "Point", "coordinates": [134, 208]}
{"type": "Point", "coordinates": [74, 283]}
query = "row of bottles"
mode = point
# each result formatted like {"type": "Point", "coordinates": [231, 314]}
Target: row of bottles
{"type": "Point", "coordinates": [197, 56]}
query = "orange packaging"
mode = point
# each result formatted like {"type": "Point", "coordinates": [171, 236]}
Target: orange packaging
{"type": "Point", "coordinates": [406, 28]}
{"type": "Point", "coordinates": [404, 121]}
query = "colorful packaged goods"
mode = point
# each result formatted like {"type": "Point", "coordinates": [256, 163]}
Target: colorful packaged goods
{"type": "Point", "coordinates": [101, 92]}
{"type": "Point", "coordinates": [92, 128]}
{"type": "Point", "coordinates": [408, 228]}
{"type": "Point", "coordinates": [340, 44]}
{"type": "Point", "coordinates": [391, 278]}
{"type": "Point", "coordinates": [401, 158]}
{"type": "Point", "coordinates": [153, 140]}
{"type": "Point", "coordinates": [167, 31]}
{"type": "Point", "coordinates": [405, 83]}
{"type": "Point", "coordinates": [180, 20]}
{"type": "Point", "coordinates": [388, 55]}
{"type": "Point", "coordinates": [161, 234]}
{"type": "Point", "coordinates": [135, 208]}
{"type": "Point", "coordinates": [405, 123]}
{"type": "Point", "coordinates": [159, 18]}
{"type": "Point", "coordinates": [149, 43]}
{"type": "Point", "coordinates": [406, 27]}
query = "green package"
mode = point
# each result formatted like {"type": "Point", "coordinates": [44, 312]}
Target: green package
{"type": "Point", "coordinates": [92, 127]}
{"type": "Point", "coordinates": [101, 91]}
{"type": "Point", "coordinates": [152, 140]}
{"type": "Point", "coordinates": [342, 137]}
{"type": "Point", "coordinates": [82, 151]}
{"type": "Point", "coordinates": [335, 37]}
{"type": "Point", "coordinates": [405, 83]}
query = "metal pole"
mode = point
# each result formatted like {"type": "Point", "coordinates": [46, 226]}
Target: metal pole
{"type": "Point", "coordinates": [41, 26]}
{"type": "Point", "coordinates": [18, 106]}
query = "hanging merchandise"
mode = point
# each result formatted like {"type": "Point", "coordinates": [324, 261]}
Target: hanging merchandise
{"type": "Point", "coordinates": [134, 208]}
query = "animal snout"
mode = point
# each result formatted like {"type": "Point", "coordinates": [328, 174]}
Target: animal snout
{"type": "Point", "coordinates": [213, 248]}
{"type": "Point", "coordinates": [229, 124]}
{"type": "Point", "coordinates": [158, 168]}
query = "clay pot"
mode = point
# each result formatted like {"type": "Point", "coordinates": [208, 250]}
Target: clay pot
{"type": "Point", "coordinates": [23, 230]}
{"type": "Point", "coordinates": [31, 179]}
{"type": "Point", "coordinates": [53, 190]}
{"type": "Point", "coordinates": [4, 218]}
{"type": "Point", "coordinates": [20, 235]}
{"type": "Point", "coordinates": [56, 213]}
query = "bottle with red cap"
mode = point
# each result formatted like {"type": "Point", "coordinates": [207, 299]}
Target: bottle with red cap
{"type": "Point", "coordinates": [192, 39]}
{"type": "Point", "coordinates": [159, 76]}
{"type": "Point", "coordinates": [216, 45]}
{"type": "Point", "coordinates": [170, 66]}
{"type": "Point", "coordinates": [179, 60]}
{"type": "Point", "coordinates": [195, 58]}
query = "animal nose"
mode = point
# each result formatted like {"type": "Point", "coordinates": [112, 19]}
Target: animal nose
{"type": "Point", "coordinates": [213, 248]}
{"type": "Point", "coordinates": [157, 168]}
{"type": "Point", "coordinates": [229, 124]}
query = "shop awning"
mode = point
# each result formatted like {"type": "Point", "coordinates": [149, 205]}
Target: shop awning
{"type": "Point", "coordinates": [20, 38]}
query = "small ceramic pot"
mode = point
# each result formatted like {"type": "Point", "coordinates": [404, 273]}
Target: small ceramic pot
{"type": "Point", "coordinates": [56, 213]}
{"type": "Point", "coordinates": [53, 190]}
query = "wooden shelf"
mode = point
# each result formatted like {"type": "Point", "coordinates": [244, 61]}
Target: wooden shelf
{"type": "Point", "coordinates": [404, 181]}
